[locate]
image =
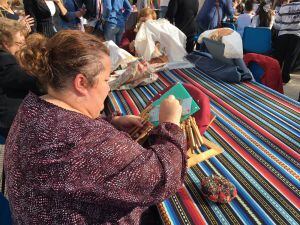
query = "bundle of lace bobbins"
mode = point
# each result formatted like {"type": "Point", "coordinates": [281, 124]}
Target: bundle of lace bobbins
{"type": "Point", "coordinates": [140, 134]}
{"type": "Point", "coordinates": [192, 133]}
{"type": "Point", "coordinates": [189, 127]}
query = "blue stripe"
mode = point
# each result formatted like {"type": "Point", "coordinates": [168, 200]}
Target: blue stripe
{"type": "Point", "coordinates": [263, 99]}
{"type": "Point", "coordinates": [262, 155]}
{"type": "Point", "coordinates": [278, 155]}
{"type": "Point", "coordinates": [262, 108]}
{"type": "Point", "coordinates": [222, 219]}
{"type": "Point", "coordinates": [277, 94]}
{"type": "Point", "coordinates": [171, 212]}
{"type": "Point", "coordinates": [255, 184]}
{"type": "Point", "coordinates": [262, 214]}
{"type": "Point", "coordinates": [123, 110]}
{"type": "Point", "coordinates": [255, 116]}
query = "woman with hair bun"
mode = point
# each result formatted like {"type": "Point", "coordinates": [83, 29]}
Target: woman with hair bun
{"type": "Point", "coordinates": [65, 164]}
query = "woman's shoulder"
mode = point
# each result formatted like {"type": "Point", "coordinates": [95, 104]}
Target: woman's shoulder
{"type": "Point", "coordinates": [7, 59]}
{"type": "Point", "coordinates": [56, 122]}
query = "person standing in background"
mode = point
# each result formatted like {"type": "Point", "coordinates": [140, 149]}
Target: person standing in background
{"type": "Point", "coordinates": [244, 20]}
{"type": "Point", "coordinates": [264, 16]}
{"type": "Point", "coordinates": [115, 14]}
{"type": "Point", "coordinates": [74, 7]}
{"type": "Point", "coordinates": [47, 15]}
{"type": "Point", "coordinates": [212, 13]}
{"type": "Point", "coordinates": [92, 15]}
{"type": "Point", "coordinates": [163, 8]}
{"type": "Point", "coordinates": [7, 12]}
{"type": "Point", "coordinates": [287, 45]}
{"type": "Point", "coordinates": [183, 13]}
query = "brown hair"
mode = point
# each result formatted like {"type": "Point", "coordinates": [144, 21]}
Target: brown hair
{"type": "Point", "coordinates": [147, 12]}
{"type": "Point", "coordinates": [265, 18]}
{"type": "Point", "coordinates": [8, 28]}
{"type": "Point", "coordinates": [56, 61]}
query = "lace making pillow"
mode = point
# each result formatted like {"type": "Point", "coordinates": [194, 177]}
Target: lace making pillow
{"type": "Point", "coordinates": [218, 189]}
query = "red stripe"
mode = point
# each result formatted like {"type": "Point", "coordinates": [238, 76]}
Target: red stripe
{"type": "Point", "coordinates": [164, 80]}
{"type": "Point", "coordinates": [130, 103]}
{"type": "Point", "coordinates": [259, 167]}
{"type": "Point", "coordinates": [281, 101]}
{"type": "Point", "coordinates": [191, 208]}
{"type": "Point", "coordinates": [269, 136]}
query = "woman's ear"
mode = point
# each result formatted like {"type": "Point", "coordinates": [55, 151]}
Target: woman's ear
{"type": "Point", "coordinates": [80, 84]}
{"type": "Point", "coordinates": [5, 46]}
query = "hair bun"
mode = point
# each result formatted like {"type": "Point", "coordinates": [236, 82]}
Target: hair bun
{"type": "Point", "coordinates": [33, 58]}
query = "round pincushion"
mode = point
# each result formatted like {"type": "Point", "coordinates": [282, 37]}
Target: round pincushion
{"type": "Point", "coordinates": [218, 189]}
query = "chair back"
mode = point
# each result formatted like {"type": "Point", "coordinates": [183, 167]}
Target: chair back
{"type": "Point", "coordinates": [257, 40]}
{"type": "Point", "coordinates": [256, 70]}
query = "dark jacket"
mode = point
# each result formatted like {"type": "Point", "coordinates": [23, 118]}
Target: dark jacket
{"type": "Point", "coordinates": [14, 86]}
{"type": "Point", "coordinates": [91, 6]}
{"type": "Point", "coordinates": [44, 22]}
{"type": "Point", "coordinates": [183, 12]}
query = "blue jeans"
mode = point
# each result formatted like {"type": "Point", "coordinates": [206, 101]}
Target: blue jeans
{"type": "Point", "coordinates": [162, 12]}
{"type": "Point", "coordinates": [113, 33]}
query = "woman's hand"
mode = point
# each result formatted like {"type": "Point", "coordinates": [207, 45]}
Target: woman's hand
{"type": "Point", "coordinates": [170, 110]}
{"type": "Point", "coordinates": [28, 22]}
{"type": "Point", "coordinates": [125, 123]}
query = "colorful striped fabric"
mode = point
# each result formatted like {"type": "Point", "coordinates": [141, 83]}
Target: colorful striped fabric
{"type": "Point", "coordinates": [259, 130]}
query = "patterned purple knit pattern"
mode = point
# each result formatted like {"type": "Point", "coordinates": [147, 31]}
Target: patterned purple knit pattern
{"type": "Point", "coordinates": [65, 168]}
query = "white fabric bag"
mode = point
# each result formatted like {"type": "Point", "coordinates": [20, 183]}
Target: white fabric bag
{"type": "Point", "coordinates": [172, 40]}
{"type": "Point", "coordinates": [233, 43]}
{"type": "Point", "coordinates": [118, 56]}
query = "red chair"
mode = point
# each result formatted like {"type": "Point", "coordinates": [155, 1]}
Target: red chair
{"type": "Point", "coordinates": [271, 76]}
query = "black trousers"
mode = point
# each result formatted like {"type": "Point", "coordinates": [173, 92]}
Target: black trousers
{"type": "Point", "coordinates": [287, 52]}
{"type": "Point", "coordinates": [190, 44]}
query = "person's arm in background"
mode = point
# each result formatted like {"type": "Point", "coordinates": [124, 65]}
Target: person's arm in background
{"type": "Point", "coordinates": [28, 8]}
{"type": "Point", "coordinates": [71, 8]}
{"type": "Point", "coordinates": [272, 19]}
{"type": "Point", "coordinates": [127, 9]}
{"type": "Point", "coordinates": [172, 10]}
{"type": "Point", "coordinates": [228, 9]}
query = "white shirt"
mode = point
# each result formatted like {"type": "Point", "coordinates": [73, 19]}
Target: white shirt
{"type": "Point", "coordinates": [244, 20]}
{"type": "Point", "coordinates": [51, 6]}
{"type": "Point", "coordinates": [164, 2]}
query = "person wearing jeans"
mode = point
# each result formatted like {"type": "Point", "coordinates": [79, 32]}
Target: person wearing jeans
{"type": "Point", "coordinates": [163, 8]}
{"type": "Point", "coordinates": [115, 14]}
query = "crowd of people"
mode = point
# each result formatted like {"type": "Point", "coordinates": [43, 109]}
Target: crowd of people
{"type": "Point", "coordinates": [65, 163]}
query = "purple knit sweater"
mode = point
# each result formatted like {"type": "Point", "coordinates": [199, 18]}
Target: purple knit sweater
{"type": "Point", "coordinates": [65, 168]}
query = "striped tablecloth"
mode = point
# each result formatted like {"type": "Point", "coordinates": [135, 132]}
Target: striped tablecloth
{"type": "Point", "coordinates": [259, 131]}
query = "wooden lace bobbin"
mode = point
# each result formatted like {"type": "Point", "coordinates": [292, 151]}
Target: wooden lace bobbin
{"type": "Point", "coordinates": [213, 149]}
